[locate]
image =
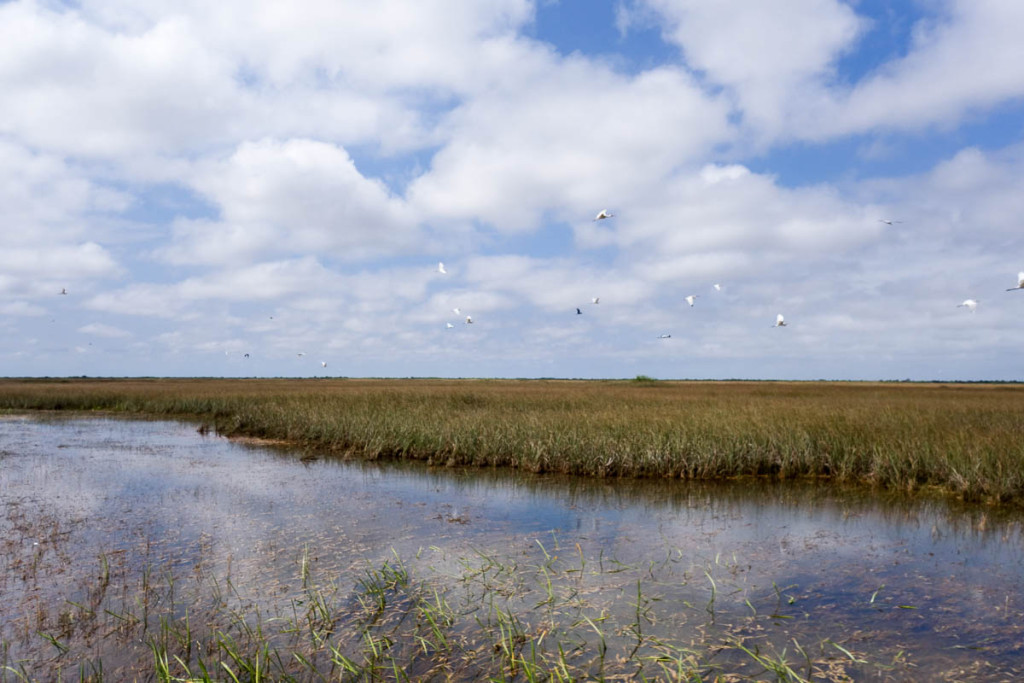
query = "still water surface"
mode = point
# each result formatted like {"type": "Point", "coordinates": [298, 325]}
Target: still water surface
{"type": "Point", "coordinates": [924, 589]}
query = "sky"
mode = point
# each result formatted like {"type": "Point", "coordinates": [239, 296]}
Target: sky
{"type": "Point", "coordinates": [267, 189]}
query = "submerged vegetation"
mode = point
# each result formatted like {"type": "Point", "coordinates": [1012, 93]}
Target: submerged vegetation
{"type": "Point", "coordinates": [555, 616]}
{"type": "Point", "coordinates": [965, 439]}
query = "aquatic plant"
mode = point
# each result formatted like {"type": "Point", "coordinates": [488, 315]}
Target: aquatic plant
{"type": "Point", "coordinates": [394, 623]}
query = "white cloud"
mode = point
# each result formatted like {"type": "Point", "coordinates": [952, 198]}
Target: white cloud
{"type": "Point", "coordinates": [103, 330]}
{"type": "Point", "coordinates": [118, 80]}
{"type": "Point", "coordinates": [565, 138]}
{"type": "Point", "coordinates": [971, 59]}
{"type": "Point", "coordinates": [45, 271]}
{"type": "Point", "coordinates": [21, 308]}
{"type": "Point", "coordinates": [285, 122]}
{"type": "Point", "coordinates": [723, 218]}
{"type": "Point", "coordinates": [70, 85]}
{"type": "Point", "coordinates": [47, 201]}
{"type": "Point", "coordinates": [293, 197]}
{"type": "Point", "coordinates": [779, 61]}
{"type": "Point", "coordinates": [552, 285]}
{"type": "Point", "coordinates": [768, 54]}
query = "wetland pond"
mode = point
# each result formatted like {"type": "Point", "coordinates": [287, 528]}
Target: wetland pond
{"type": "Point", "coordinates": [143, 550]}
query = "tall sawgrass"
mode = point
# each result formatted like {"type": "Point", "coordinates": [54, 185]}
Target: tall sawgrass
{"type": "Point", "coordinates": [967, 439]}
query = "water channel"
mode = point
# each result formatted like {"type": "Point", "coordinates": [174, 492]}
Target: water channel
{"type": "Point", "coordinates": [118, 536]}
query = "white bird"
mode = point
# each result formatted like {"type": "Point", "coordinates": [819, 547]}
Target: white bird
{"type": "Point", "coordinates": [780, 321]}
{"type": "Point", "coordinates": [887, 221]}
{"type": "Point", "coordinates": [440, 268]}
{"type": "Point", "coordinates": [691, 298]}
{"type": "Point", "coordinates": [323, 364]}
{"type": "Point", "coordinates": [969, 304]}
{"type": "Point", "coordinates": [664, 336]}
{"type": "Point", "coordinates": [596, 300]}
{"type": "Point", "coordinates": [604, 214]}
{"type": "Point", "coordinates": [718, 287]}
{"type": "Point", "coordinates": [1020, 282]}
{"type": "Point", "coordinates": [449, 325]}
{"type": "Point", "coordinates": [457, 311]}
{"type": "Point", "coordinates": [469, 320]}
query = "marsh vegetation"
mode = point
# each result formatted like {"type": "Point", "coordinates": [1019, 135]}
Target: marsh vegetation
{"type": "Point", "coordinates": [967, 440]}
{"type": "Point", "coordinates": [141, 550]}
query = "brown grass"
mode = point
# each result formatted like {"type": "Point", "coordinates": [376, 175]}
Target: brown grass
{"type": "Point", "coordinates": [967, 439]}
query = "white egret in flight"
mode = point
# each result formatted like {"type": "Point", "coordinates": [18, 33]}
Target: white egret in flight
{"type": "Point", "coordinates": [664, 336]}
{"type": "Point", "coordinates": [780, 321]}
{"type": "Point", "coordinates": [440, 268]}
{"type": "Point", "coordinates": [718, 287]}
{"type": "Point", "coordinates": [691, 298]}
{"type": "Point", "coordinates": [970, 304]}
{"type": "Point", "coordinates": [469, 320]}
{"type": "Point", "coordinates": [323, 364]}
{"type": "Point", "coordinates": [1020, 282]}
{"type": "Point", "coordinates": [457, 311]}
{"type": "Point", "coordinates": [887, 221]}
{"type": "Point", "coordinates": [449, 326]}
{"type": "Point", "coordinates": [604, 214]}
{"type": "Point", "coordinates": [596, 300]}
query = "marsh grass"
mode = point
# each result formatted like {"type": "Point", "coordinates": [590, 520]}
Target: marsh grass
{"type": "Point", "coordinates": [493, 617]}
{"type": "Point", "coordinates": [965, 439]}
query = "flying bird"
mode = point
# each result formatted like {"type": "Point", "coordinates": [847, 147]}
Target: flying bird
{"type": "Point", "coordinates": [579, 312]}
{"type": "Point", "coordinates": [440, 268]}
{"type": "Point", "coordinates": [604, 214]}
{"type": "Point", "coordinates": [887, 221]}
{"type": "Point", "coordinates": [63, 290]}
{"type": "Point", "coordinates": [664, 336]}
{"type": "Point", "coordinates": [469, 320]}
{"type": "Point", "coordinates": [718, 287]}
{"type": "Point", "coordinates": [970, 304]}
{"type": "Point", "coordinates": [457, 311]}
{"type": "Point", "coordinates": [1020, 282]}
{"type": "Point", "coordinates": [449, 326]}
{"type": "Point", "coordinates": [596, 300]}
{"type": "Point", "coordinates": [691, 298]}
{"type": "Point", "coordinates": [300, 354]}
{"type": "Point", "coordinates": [780, 321]}
{"type": "Point", "coordinates": [323, 364]}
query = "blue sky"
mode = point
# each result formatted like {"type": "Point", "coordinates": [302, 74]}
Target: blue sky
{"type": "Point", "coordinates": [257, 189]}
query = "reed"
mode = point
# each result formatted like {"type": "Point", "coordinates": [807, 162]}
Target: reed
{"type": "Point", "coordinates": [965, 439]}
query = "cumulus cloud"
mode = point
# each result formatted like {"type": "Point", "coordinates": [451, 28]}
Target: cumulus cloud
{"type": "Point", "coordinates": [322, 157]}
{"type": "Point", "coordinates": [969, 59]}
{"type": "Point", "coordinates": [766, 53]}
{"type": "Point", "coordinates": [296, 196]}
{"type": "Point", "coordinates": [115, 80]}
{"type": "Point", "coordinates": [562, 138]}
{"type": "Point", "coordinates": [724, 221]}
{"type": "Point", "coordinates": [779, 62]}
{"type": "Point", "coordinates": [47, 200]}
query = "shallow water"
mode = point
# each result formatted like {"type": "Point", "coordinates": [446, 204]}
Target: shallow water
{"type": "Point", "coordinates": [96, 510]}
